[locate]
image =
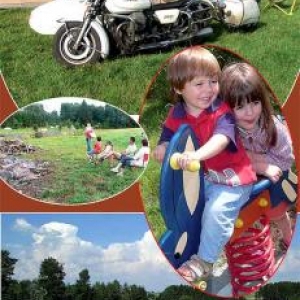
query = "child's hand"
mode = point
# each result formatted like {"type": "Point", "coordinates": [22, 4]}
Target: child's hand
{"type": "Point", "coordinates": [159, 152]}
{"type": "Point", "coordinates": [186, 158]}
{"type": "Point", "coordinates": [273, 173]}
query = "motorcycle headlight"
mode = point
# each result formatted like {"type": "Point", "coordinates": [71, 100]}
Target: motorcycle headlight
{"type": "Point", "coordinates": [87, 9]}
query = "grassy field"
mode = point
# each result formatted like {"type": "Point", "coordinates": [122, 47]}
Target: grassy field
{"type": "Point", "coordinates": [32, 74]}
{"type": "Point", "coordinates": [72, 179]}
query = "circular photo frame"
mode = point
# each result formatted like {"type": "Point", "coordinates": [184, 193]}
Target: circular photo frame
{"type": "Point", "coordinates": [70, 151]}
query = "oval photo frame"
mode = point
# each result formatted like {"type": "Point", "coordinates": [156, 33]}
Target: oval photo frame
{"type": "Point", "coordinates": [71, 150]}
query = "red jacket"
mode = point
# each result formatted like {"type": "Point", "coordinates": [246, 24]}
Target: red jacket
{"type": "Point", "coordinates": [232, 166]}
{"type": "Point", "coordinates": [97, 147]}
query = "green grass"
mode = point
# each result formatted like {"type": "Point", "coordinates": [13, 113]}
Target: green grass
{"type": "Point", "coordinates": [32, 74]}
{"type": "Point", "coordinates": [72, 178]}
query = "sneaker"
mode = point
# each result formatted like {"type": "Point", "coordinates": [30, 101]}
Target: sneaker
{"type": "Point", "coordinates": [195, 269]}
{"type": "Point", "coordinates": [115, 170]}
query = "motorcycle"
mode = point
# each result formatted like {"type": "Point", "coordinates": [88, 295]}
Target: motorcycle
{"type": "Point", "coordinates": [90, 32]}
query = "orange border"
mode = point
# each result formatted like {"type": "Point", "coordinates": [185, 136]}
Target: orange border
{"type": "Point", "coordinates": [128, 201]}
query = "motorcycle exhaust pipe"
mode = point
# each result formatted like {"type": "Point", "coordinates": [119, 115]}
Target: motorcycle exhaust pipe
{"type": "Point", "coordinates": [164, 44]}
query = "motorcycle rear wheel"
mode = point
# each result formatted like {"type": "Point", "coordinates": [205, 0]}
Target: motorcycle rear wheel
{"type": "Point", "coordinates": [88, 52]}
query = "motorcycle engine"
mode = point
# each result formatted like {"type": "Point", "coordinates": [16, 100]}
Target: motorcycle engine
{"type": "Point", "coordinates": [140, 21]}
{"type": "Point", "coordinates": [129, 32]}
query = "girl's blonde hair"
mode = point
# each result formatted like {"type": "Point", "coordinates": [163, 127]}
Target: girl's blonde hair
{"type": "Point", "coordinates": [188, 64]}
{"type": "Point", "coordinates": [240, 83]}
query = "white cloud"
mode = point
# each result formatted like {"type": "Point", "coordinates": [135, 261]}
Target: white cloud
{"type": "Point", "coordinates": [140, 262]}
{"type": "Point", "coordinates": [23, 225]}
{"type": "Point", "coordinates": [54, 104]}
{"type": "Point", "coordinates": [289, 268]}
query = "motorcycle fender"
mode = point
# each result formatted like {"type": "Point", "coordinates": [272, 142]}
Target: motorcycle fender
{"type": "Point", "coordinates": [167, 16]}
{"type": "Point", "coordinates": [103, 38]}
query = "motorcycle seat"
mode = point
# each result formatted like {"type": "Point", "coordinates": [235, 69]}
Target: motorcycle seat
{"type": "Point", "coordinates": [159, 4]}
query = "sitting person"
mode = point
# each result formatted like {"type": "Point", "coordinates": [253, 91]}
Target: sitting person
{"type": "Point", "coordinates": [129, 151]}
{"type": "Point", "coordinates": [107, 152]}
{"type": "Point", "coordinates": [96, 150]}
{"type": "Point", "coordinates": [140, 159]}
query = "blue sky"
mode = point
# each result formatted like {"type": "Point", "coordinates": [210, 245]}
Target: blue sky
{"type": "Point", "coordinates": [111, 246]}
{"type": "Point", "coordinates": [289, 268]}
{"type": "Point", "coordinates": [101, 229]}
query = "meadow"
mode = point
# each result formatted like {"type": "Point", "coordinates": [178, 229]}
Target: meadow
{"type": "Point", "coordinates": [72, 179]}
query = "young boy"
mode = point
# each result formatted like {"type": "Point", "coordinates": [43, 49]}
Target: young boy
{"type": "Point", "coordinates": [194, 77]}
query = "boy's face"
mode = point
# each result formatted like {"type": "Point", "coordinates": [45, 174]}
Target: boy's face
{"type": "Point", "coordinates": [199, 93]}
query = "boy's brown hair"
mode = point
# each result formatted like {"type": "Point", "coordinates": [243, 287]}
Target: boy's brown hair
{"type": "Point", "coordinates": [188, 64]}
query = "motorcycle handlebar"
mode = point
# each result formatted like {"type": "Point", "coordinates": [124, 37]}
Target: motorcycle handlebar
{"type": "Point", "coordinates": [96, 2]}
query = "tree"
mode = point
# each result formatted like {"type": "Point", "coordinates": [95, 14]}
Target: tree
{"type": "Point", "coordinates": [183, 292]}
{"type": "Point", "coordinates": [51, 278]}
{"type": "Point", "coordinates": [99, 291]}
{"type": "Point", "coordinates": [113, 291]}
{"type": "Point", "coordinates": [7, 267]}
{"type": "Point", "coordinates": [37, 292]}
{"type": "Point", "coordinates": [83, 289]}
{"type": "Point", "coordinates": [85, 113]}
{"type": "Point", "coordinates": [134, 292]}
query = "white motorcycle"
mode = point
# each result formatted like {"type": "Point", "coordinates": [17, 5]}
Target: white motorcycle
{"type": "Point", "coordinates": [87, 35]}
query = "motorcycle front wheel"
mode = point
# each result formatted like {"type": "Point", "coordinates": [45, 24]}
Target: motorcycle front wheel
{"type": "Point", "coordinates": [89, 50]}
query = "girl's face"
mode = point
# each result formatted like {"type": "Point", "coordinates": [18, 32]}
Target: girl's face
{"type": "Point", "coordinates": [199, 93]}
{"type": "Point", "coordinates": [247, 114]}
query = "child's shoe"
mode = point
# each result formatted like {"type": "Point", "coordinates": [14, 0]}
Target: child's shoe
{"type": "Point", "coordinates": [115, 170]}
{"type": "Point", "coordinates": [195, 269]}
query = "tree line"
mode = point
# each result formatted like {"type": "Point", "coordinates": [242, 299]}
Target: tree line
{"type": "Point", "coordinates": [70, 114]}
{"type": "Point", "coordinates": [284, 290]}
{"type": "Point", "coordinates": [50, 285]}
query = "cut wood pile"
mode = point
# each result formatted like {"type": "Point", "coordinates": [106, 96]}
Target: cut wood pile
{"type": "Point", "coordinates": [15, 147]}
{"type": "Point", "coordinates": [19, 171]}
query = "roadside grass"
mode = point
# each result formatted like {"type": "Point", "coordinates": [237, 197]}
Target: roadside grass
{"type": "Point", "coordinates": [73, 179]}
{"type": "Point", "coordinates": [32, 74]}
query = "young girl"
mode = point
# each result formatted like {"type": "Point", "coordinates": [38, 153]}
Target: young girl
{"type": "Point", "coordinates": [194, 78]}
{"type": "Point", "coordinates": [107, 152]}
{"type": "Point", "coordinates": [96, 150]}
{"type": "Point", "coordinates": [265, 138]}
{"type": "Point", "coordinates": [89, 134]}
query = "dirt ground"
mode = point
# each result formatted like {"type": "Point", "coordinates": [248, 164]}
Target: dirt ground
{"type": "Point", "coordinates": [21, 3]}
